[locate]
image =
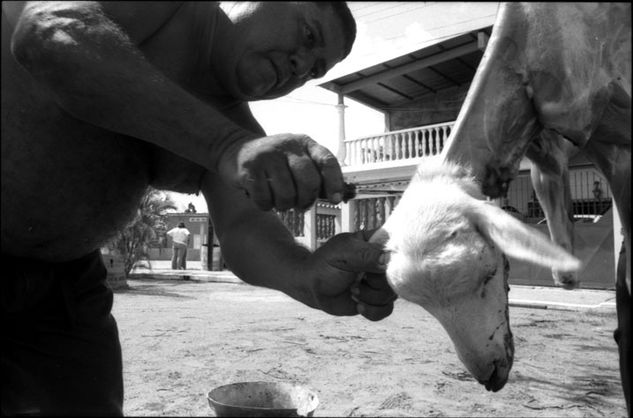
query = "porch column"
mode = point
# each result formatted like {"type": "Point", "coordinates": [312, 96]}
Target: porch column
{"type": "Point", "coordinates": [203, 227]}
{"type": "Point", "coordinates": [310, 227]}
{"type": "Point", "coordinates": [341, 153]}
{"type": "Point", "coordinates": [347, 216]}
{"type": "Point", "coordinates": [338, 221]}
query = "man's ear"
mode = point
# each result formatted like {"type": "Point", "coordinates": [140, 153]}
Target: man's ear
{"type": "Point", "coordinates": [518, 240]}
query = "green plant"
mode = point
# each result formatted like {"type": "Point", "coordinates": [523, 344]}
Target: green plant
{"type": "Point", "coordinates": [132, 242]}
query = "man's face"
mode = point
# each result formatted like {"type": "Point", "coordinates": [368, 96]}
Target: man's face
{"type": "Point", "coordinates": [277, 47]}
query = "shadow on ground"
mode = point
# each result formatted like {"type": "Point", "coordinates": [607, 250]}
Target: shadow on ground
{"type": "Point", "coordinates": [154, 287]}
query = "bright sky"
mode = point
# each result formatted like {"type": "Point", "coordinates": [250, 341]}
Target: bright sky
{"type": "Point", "coordinates": [310, 111]}
{"type": "Point", "coordinates": [384, 30]}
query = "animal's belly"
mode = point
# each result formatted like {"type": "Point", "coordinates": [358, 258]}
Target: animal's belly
{"type": "Point", "coordinates": [65, 195]}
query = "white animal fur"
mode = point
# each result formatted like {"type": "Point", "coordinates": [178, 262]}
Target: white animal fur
{"type": "Point", "coordinates": [445, 243]}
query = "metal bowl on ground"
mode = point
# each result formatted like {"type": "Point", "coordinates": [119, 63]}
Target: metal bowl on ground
{"type": "Point", "coordinates": [262, 399]}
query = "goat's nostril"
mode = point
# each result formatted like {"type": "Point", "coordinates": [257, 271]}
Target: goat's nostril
{"type": "Point", "coordinates": [498, 378]}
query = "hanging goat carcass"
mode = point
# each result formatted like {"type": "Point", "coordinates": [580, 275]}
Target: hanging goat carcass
{"type": "Point", "coordinates": [556, 72]}
{"type": "Point", "coordinates": [551, 71]}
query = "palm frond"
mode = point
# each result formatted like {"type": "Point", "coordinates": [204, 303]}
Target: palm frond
{"type": "Point", "coordinates": [132, 242]}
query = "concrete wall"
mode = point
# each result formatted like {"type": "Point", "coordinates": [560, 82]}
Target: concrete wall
{"type": "Point", "coordinates": [593, 245]}
{"type": "Point", "coordinates": [116, 269]}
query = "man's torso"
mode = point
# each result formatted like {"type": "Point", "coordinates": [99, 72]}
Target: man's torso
{"type": "Point", "coordinates": [67, 185]}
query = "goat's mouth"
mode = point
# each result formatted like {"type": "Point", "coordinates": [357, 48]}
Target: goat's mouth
{"type": "Point", "coordinates": [499, 376]}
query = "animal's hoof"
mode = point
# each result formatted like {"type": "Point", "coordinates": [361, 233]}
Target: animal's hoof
{"type": "Point", "coordinates": [567, 281]}
{"type": "Point", "coordinates": [570, 285]}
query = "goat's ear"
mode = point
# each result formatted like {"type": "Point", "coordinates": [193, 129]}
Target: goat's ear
{"type": "Point", "coordinates": [518, 240]}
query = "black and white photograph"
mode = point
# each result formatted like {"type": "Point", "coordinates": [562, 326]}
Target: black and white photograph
{"type": "Point", "coordinates": [322, 209]}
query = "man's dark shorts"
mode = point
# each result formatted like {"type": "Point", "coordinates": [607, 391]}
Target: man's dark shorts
{"type": "Point", "coordinates": [61, 353]}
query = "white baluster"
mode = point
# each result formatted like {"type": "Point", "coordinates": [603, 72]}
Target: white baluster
{"type": "Point", "coordinates": [364, 150]}
{"type": "Point", "coordinates": [354, 152]}
{"type": "Point", "coordinates": [353, 158]}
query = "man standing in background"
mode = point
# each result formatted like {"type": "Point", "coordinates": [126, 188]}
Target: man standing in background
{"type": "Point", "coordinates": [180, 241]}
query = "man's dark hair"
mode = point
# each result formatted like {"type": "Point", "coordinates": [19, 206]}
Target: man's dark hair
{"type": "Point", "coordinates": [181, 225]}
{"type": "Point", "coordinates": [343, 12]}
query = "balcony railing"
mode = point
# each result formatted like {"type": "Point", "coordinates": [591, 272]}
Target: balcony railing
{"type": "Point", "coordinates": [422, 141]}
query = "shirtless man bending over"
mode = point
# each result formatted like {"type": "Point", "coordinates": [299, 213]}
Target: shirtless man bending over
{"type": "Point", "coordinates": [102, 100]}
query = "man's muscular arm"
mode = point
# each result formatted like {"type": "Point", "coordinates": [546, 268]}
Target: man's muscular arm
{"type": "Point", "coordinates": [92, 67]}
{"type": "Point", "coordinates": [262, 252]}
{"type": "Point", "coordinates": [174, 173]}
{"type": "Point", "coordinates": [98, 75]}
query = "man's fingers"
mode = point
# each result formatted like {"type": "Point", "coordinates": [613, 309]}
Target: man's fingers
{"type": "Point", "coordinates": [374, 313]}
{"type": "Point", "coordinates": [258, 190]}
{"type": "Point", "coordinates": [375, 291]}
{"type": "Point", "coordinates": [357, 255]}
{"type": "Point", "coordinates": [375, 281]}
{"type": "Point", "coordinates": [297, 168]}
{"type": "Point", "coordinates": [374, 303]}
{"type": "Point", "coordinates": [282, 189]}
{"type": "Point", "coordinates": [330, 170]}
{"type": "Point", "coordinates": [340, 305]}
{"type": "Point", "coordinates": [307, 180]}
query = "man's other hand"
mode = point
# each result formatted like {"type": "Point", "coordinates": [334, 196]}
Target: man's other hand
{"type": "Point", "coordinates": [284, 171]}
{"type": "Point", "coordinates": [347, 277]}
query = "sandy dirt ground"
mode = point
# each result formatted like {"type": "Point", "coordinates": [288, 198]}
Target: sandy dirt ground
{"type": "Point", "coordinates": [181, 339]}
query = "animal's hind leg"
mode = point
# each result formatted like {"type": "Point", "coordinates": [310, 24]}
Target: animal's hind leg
{"type": "Point", "coordinates": [610, 149]}
{"type": "Point", "coordinates": [623, 333]}
{"type": "Point", "coordinates": [549, 154]}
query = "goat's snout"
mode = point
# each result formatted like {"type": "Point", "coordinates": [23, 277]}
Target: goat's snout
{"type": "Point", "coordinates": [499, 376]}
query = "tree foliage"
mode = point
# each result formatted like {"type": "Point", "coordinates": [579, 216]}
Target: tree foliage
{"type": "Point", "coordinates": [132, 242]}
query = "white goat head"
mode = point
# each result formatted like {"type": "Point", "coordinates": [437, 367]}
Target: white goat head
{"type": "Point", "coordinates": [446, 247]}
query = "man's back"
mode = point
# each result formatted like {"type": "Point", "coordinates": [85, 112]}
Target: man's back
{"type": "Point", "coordinates": [179, 235]}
